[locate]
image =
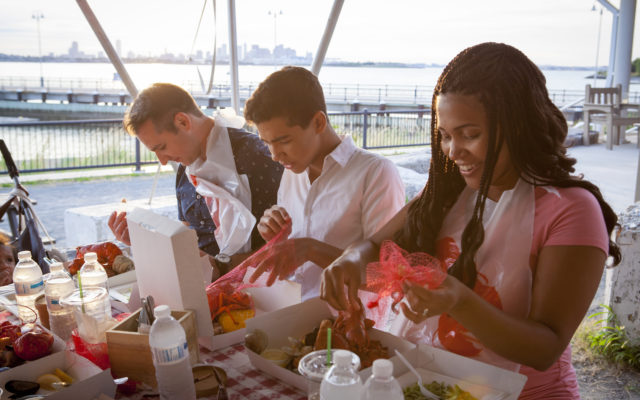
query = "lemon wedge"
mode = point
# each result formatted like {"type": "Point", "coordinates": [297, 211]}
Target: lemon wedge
{"type": "Point", "coordinates": [63, 375]}
{"type": "Point", "coordinates": [46, 381]}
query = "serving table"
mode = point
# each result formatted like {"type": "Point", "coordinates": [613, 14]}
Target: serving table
{"type": "Point", "coordinates": [243, 380]}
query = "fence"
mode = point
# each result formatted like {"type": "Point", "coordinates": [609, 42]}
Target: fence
{"type": "Point", "coordinates": [397, 94]}
{"type": "Point", "coordinates": [63, 145]}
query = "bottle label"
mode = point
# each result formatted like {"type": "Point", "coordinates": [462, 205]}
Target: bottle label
{"type": "Point", "coordinates": [53, 304]}
{"type": "Point", "coordinates": [28, 288]}
{"type": "Point", "coordinates": [170, 355]}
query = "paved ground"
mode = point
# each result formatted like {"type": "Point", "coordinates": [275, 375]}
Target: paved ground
{"type": "Point", "coordinates": [54, 197]}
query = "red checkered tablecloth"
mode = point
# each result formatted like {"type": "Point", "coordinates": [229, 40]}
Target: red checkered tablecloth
{"type": "Point", "coordinates": [243, 380]}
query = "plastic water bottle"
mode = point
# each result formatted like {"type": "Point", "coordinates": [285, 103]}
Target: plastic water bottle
{"type": "Point", "coordinates": [170, 352]}
{"type": "Point", "coordinates": [58, 285]}
{"type": "Point", "coordinates": [92, 273]}
{"type": "Point", "coordinates": [27, 280]}
{"type": "Point", "coordinates": [342, 381]}
{"type": "Point", "coordinates": [381, 385]}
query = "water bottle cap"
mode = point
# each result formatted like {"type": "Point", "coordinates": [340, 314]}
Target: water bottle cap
{"type": "Point", "coordinates": [342, 358]}
{"type": "Point", "coordinates": [56, 266]}
{"type": "Point", "coordinates": [382, 368]}
{"type": "Point", "coordinates": [161, 311]}
{"type": "Point", "coordinates": [90, 257]}
{"type": "Point", "coordinates": [23, 255]}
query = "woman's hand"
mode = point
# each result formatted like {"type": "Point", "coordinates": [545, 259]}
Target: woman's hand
{"type": "Point", "coordinates": [349, 269]}
{"type": "Point", "coordinates": [423, 303]}
{"type": "Point", "coordinates": [118, 225]}
{"type": "Point", "coordinates": [272, 222]}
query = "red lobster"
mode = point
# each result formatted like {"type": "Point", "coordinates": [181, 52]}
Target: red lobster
{"type": "Point", "coordinates": [106, 252]}
{"type": "Point", "coordinates": [349, 331]}
{"type": "Point", "coordinates": [226, 297]}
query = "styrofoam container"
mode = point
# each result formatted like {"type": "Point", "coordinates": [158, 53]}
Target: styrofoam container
{"type": "Point", "coordinates": [89, 380]}
{"type": "Point", "coordinates": [483, 381]}
{"type": "Point", "coordinates": [298, 320]}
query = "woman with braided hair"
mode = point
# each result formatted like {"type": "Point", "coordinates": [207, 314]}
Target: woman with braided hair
{"type": "Point", "coordinates": [524, 241]}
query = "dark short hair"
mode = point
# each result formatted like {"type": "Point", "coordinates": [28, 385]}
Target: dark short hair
{"type": "Point", "coordinates": [293, 93]}
{"type": "Point", "coordinates": [159, 102]}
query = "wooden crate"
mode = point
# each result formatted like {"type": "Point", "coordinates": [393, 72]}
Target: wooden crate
{"type": "Point", "coordinates": [129, 351]}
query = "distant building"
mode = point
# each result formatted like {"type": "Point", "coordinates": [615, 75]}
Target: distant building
{"type": "Point", "coordinates": [74, 51]}
{"type": "Point", "coordinates": [257, 53]}
{"type": "Point", "coordinates": [283, 52]}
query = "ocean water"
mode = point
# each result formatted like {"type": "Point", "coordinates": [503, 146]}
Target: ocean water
{"type": "Point", "coordinates": [102, 75]}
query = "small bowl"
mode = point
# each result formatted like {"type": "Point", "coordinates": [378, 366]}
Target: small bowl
{"type": "Point", "coordinates": [276, 356]}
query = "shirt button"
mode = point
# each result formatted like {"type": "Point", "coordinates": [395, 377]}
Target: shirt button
{"type": "Point", "coordinates": [198, 197]}
{"type": "Point", "coordinates": [201, 222]}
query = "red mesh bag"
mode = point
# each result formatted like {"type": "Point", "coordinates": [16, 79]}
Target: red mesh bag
{"type": "Point", "coordinates": [95, 352]}
{"type": "Point", "coordinates": [225, 293]}
{"type": "Point", "coordinates": [396, 266]}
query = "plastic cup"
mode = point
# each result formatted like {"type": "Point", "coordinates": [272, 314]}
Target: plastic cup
{"type": "Point", "coordinates": [92, 312]}
{"type": "Point", "coordinates": [43, 313]}
{"type": "Point", "coordinates": [313, 366]}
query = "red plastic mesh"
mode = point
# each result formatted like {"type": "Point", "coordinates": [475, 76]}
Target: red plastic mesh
{"type": "Point", "coordinates": [95, 352]}
{"type": "Point", "coordinates": [225, 293]}
{"type": "Point", "coordinates": [396, 266]}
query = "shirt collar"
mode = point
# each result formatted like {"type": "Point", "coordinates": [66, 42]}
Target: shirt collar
{"type": "Point", "coordinates": [343, 152]}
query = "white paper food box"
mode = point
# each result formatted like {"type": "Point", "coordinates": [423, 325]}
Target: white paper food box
{"type": "Point", "coordinates": [483, 381]}
{"type": "Point", "coordinates": [89, 380]}
{"type": "Point", "coordinates": [169, 268]}
{"type": "Point", "coordinates": [298, 320]}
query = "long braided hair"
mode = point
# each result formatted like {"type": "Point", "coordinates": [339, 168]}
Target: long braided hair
{"type": "Point", "coordinates": [521, 116]}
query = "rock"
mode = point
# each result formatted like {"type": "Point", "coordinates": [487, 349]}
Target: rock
{"type": "Point", "coordinates": [416, 161]}
{"type": "Point", "coordinates": [413, 181]}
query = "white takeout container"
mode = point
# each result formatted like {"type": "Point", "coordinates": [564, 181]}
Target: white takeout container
{"type": "Point", "coordinates": [298, 320]}
{"type": "Point", "coordinates": [168, 267]}
{"type": "Point", "coordinates": [483, 381]}
{"type": "Point", "coordinates": [89, 380]}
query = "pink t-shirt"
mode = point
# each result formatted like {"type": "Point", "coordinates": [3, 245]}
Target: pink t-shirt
{"type": "Point", "coordinates": [563, 217]}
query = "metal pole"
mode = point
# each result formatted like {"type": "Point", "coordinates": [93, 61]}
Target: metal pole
{"type": "Point", "coordinates": [233, 53]}
{"type": "Point", "coordinates": [637, 197]}
{"type": "Point", "coordinates": [326, 37]}
{"type": "Point", "coordinates": [37, 16]}
{"type": "Point", "coordinates": [108, 48]}
{"type": "Point", "coordinates": [622, 74]}
{"type": "Point", "coordinates": [595, 75]}
{"type": "Point", "coordinates": [614, 37]}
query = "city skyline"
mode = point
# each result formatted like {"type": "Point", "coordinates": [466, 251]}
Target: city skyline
{"type": "Point", "coordinates": [550, 32]}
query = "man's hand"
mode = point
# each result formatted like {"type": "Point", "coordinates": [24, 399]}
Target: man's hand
{"type": "Point", "coordinates": [118, 225]}
{"type": "Point", "coordinates": [282, 259]}
{"type": "Point", "coordinates": [272, 222]}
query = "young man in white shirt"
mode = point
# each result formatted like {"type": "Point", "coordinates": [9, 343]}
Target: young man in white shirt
{"type": "Point", "coordinates": [332, 192]}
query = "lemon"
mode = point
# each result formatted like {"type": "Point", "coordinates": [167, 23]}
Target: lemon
{"type": "Point", "coordinates": [46, 381]}
{"type": "Point", "coordinates": [63, 375]}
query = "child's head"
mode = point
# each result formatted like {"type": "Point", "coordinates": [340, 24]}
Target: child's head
{"type": "Point", "coordinates": [8, 256]}
{"type": "Point", "coordinates": [289, 111]}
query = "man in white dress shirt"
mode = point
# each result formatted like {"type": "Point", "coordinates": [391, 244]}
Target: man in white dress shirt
{"type": "Point", "coordinates": [331, 192]}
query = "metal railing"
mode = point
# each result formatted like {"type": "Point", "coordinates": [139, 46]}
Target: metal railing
{"type": "Point", "coordinates": [63, 145]}
{"type": "Point", "coordinates": [348, 93]}
{"type": "Point", "coordinates": [379, 129]}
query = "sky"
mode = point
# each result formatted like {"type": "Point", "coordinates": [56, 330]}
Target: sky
{"type": "Point", "coordinates": [550, 32]}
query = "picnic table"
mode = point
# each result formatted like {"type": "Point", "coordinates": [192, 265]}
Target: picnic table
{"type": "Point", "coordinates": [243, 380]}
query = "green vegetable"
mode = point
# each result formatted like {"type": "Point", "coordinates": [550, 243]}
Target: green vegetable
{"type": "Point", "coordinates": [440, 389]}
